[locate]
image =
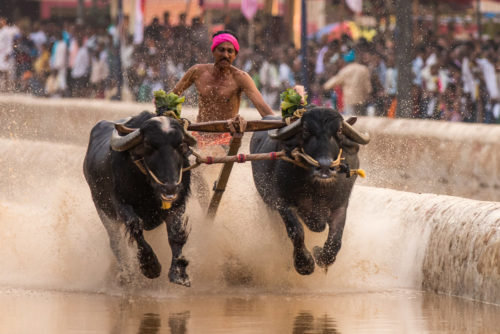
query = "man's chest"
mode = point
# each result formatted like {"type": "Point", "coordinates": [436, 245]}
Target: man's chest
{"type": "Point", "coordinates": [217, 89]}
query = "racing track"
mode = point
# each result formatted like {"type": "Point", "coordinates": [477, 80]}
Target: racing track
{"type": "Point", "coordinates": [427, 216]}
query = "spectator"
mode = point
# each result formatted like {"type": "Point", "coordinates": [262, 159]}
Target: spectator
{"type": "Point", "coordinates": [270, 80]}
{"type": "Point", "coordinates": [7, 34]}
{"type": "Point", "coordinates": [58, 61]}
{"type": "Point", "coordinates": [354, 78]}
{"type": "Point", "coordinates": [80, 73]}
{"type": "Point", "coordinates": [99, 70]}
{"type": "Point", "coordinates": [25, 53]}
{"type": "Point", "coordinates": [38, 36]}
{"type": "Point", "coordinates": [154, 32]}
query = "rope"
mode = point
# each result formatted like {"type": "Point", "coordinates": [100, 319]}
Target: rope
{"type": "Point", "coordinates": [239, 158]}
{"type": "Point", "coordinates": [141, 164]}
{"type": "Point", "coordinates": [296, 115]}
{"type": "Point", "coordinates": [298, 157]}
{"type": "Point", "coordinates": [169, 113]}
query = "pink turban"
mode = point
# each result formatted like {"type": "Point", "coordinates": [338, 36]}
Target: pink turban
{"type": "Point", "coordinates": [225, 38]}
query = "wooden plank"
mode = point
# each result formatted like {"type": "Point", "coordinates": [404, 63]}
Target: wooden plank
{"type": "Point", "coordinates": [220, 184]}
{"type": "Point", "coordinates": [222, 126]}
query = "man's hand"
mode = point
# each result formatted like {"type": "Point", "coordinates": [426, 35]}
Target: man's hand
{"type": "Point", "coordinates": [237, 124]}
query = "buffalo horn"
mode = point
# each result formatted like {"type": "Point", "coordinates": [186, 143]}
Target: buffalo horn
{"type": "Point", "coordinates": [351, 120]}
{"type": "Point", "coordinates": [287, 131]}
{"type": "Point", "coordinates": [123, 129]}
{"type": "Point", "coordinates": [358, 137]}
{"type": "Point", "coordinates": [122, 143]}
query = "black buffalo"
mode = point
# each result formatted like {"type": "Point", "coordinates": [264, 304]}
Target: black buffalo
{"type": "Point", "coordinates": [316, 190]}
{"type": "Point", "coordinates": [136, 177]}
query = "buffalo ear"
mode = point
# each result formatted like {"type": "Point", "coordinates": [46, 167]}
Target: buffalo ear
{"type": "Point", "coordinates": [123, 129]}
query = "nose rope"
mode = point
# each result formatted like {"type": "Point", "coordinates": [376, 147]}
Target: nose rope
{"type": "Point", "coordinates": [143, 167]}
{"type": "Point", "coordinates": [299, 153]}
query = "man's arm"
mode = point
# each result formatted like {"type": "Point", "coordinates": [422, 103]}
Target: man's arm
{"type": "Point", "coordinates": [186, 81]}
{"type": "Point", "coordinates": [336, 80]}
{"type": "Point", "coordinates": [251, 91]}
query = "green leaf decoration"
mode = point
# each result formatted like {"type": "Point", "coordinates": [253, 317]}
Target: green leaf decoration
{"type": "Point", "coordinates": [290, 102]}
{"type": "Point", "coordinates": [168, 101]}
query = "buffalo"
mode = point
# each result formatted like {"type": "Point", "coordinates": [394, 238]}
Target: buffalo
{"type": "Point", "coordinates": [314, 184]}
{"type": "Point", "coordinates": [137, 171]}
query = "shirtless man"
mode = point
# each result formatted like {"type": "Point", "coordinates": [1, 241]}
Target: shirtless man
{"type": "Point", "coordinates": [220, 84]}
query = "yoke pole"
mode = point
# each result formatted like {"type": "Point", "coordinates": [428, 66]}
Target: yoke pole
{"type": "Point", "coordinates": [220, 184]}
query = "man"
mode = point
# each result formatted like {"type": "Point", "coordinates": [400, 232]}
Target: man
{"type": "Point", "coordinates": [154, 32]}
{"type": "Point", "coordinates": [7, 35]}
{"type": "Point", "coordinates": [80, 72]}
{"type": "Point", "coordinates": [354, 78]}
{"type": "Point", "coordinates": [219, 85]}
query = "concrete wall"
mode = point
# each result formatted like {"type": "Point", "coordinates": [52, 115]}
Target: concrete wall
{"type": "Point", "coordinates": [433, 157]}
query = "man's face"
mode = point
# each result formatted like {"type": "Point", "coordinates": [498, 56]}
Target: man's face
{"type": "Point", "coordinates": [224, 54]}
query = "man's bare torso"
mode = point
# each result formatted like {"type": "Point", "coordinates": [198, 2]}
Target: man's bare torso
{"type": "Point", "coordinates": [219, 96]}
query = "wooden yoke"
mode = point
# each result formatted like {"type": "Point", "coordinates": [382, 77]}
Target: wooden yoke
{"type": "Point", "coordinates": [237, 127]}
{"type": "Point", "coordinates": [220, 184]}
{"type": "Point", "coordinates": [223, 126]}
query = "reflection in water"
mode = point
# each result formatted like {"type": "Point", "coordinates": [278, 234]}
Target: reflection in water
{"type": "Point", "coordinates": [150, 324]}
{"type": "Point", "coordinates": [305, 323]}
{"type": "Point", "coordinates": [403, 311]}
{"type": "Point", "coordinates": [177, 322]}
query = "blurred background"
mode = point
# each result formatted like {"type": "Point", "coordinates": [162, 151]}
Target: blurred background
{"type": "Point", "coordinates": [425, 59]}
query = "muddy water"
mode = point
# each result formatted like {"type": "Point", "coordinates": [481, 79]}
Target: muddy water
{"type": "Point", "coordinates": [58, 275]}
{"type": "Point", "coordinates": [366, 312]}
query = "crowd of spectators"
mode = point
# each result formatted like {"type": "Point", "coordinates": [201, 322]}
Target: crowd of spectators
{"type": "Point", "coordinates": [452, 79]}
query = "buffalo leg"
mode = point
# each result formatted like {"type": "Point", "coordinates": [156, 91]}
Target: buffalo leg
{"type": "Point", "coordinates": [302, 259]}
{"type": "Point", "coordinates": [117, 246]}
{"type": "Point", "coordinates": [326, 256]}
{"type": "Point", "coordinates": [178, 232]}
{"type": "Point", "coordinates": [148, 262]}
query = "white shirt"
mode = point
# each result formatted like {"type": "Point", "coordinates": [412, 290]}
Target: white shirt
{"type": "Point", "coordinates": [39, 38]}
{"type": "Point", "coordinates": [320, 66]}
{"type": "Point", "coordinates": [81, 65]}
{"type": "Point", "coordinates": [489, 77]}
{"type": "Point", "coordinates": [468, 79]}
{"type": "Point", "coordinates": [286, 75]}
{"type": "Point", "coordinates": [59, 59]}
{"type": "Point", "coordinates": [269, 76]}
{"type": "Point", "coordinates": [7, 34]}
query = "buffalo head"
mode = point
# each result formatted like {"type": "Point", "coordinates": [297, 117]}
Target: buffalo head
{"type": "Point", "coordinates": [319, 138]}
{"type": "Point", "coordinates": [159, 149]}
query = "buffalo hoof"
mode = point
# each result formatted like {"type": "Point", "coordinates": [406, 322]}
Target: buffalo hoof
{"type": "Point", "coordinates": [148, 262]}
{"type": "Point", "coordinates": [303, 261]}
{"type": "Point", "coordinates": [177, 273]}
{"type": "Point", "coordinates": [319, 257]}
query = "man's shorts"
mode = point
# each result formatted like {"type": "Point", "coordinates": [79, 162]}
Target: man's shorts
{"type": "Point", "coordinates": [210, 139]}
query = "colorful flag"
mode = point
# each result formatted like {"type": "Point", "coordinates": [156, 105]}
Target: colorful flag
{"type": "Point", "coordinates": [249, 8]}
